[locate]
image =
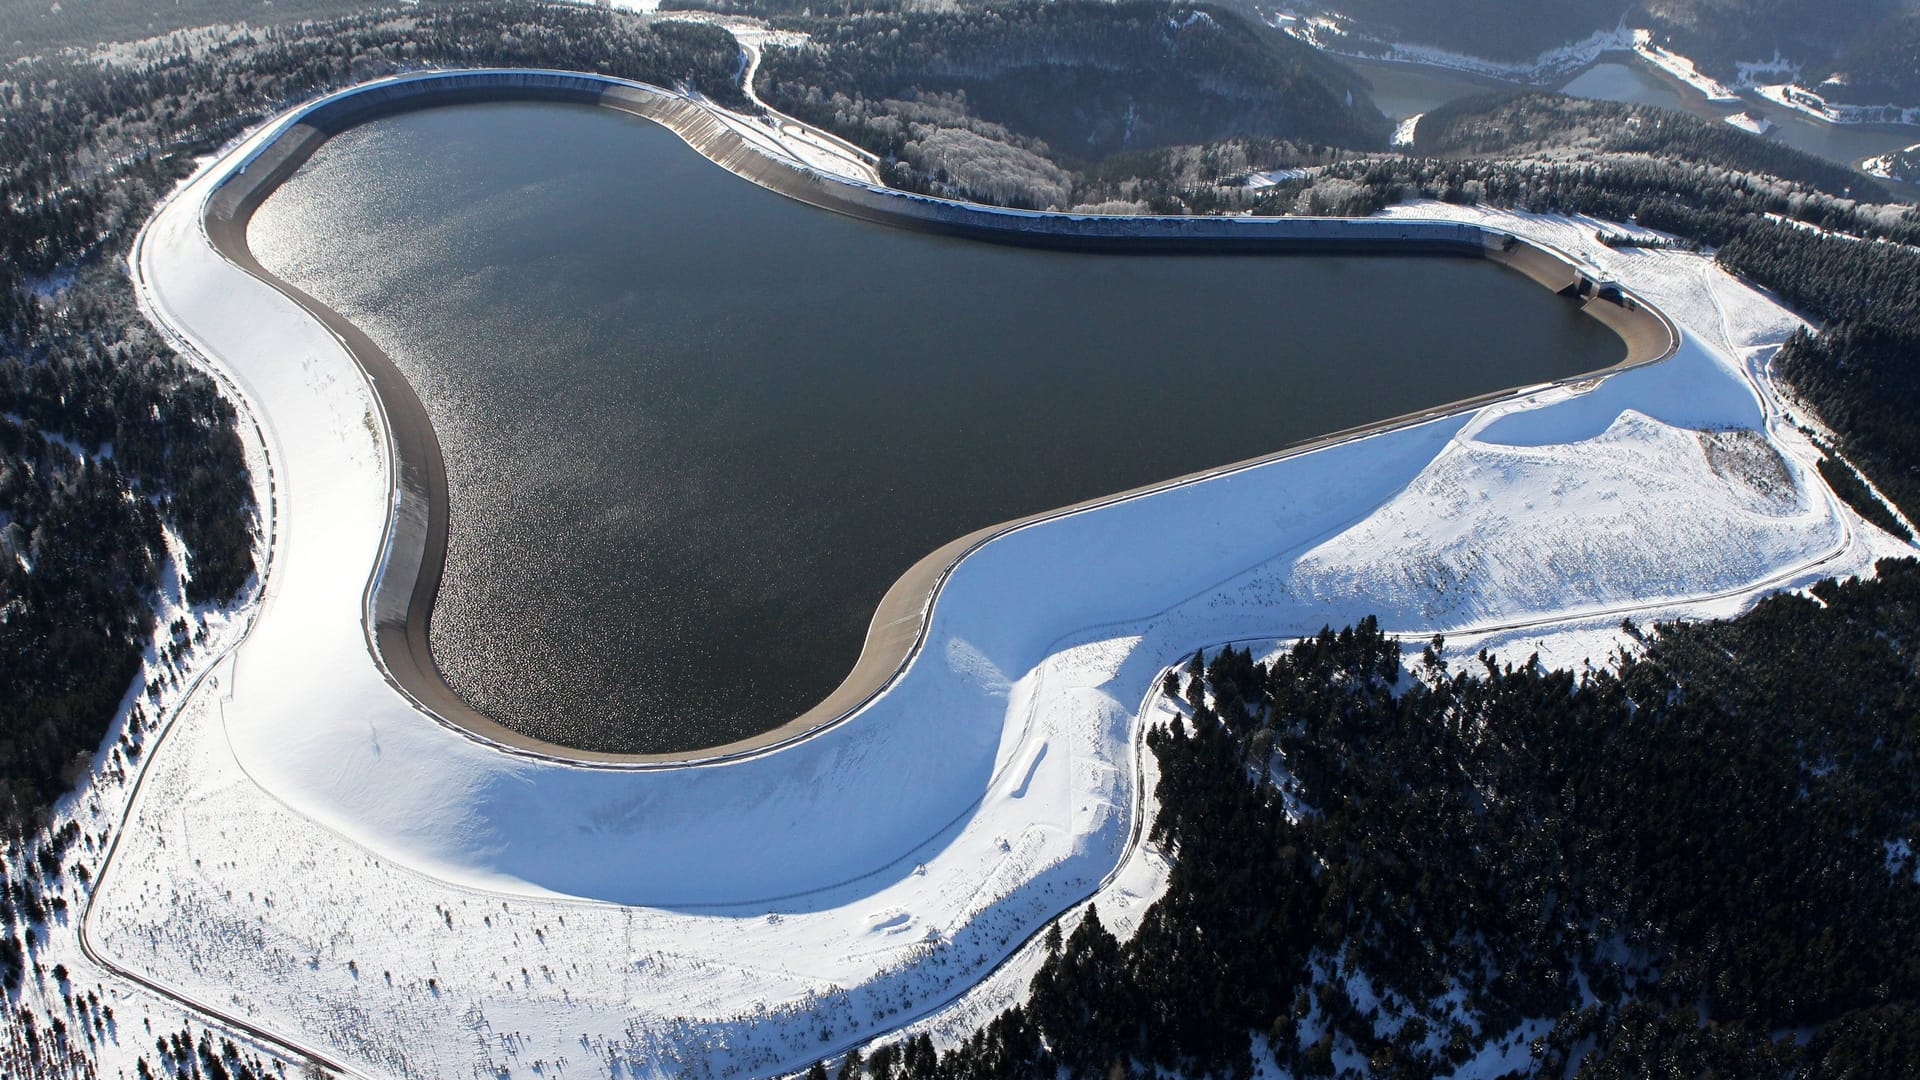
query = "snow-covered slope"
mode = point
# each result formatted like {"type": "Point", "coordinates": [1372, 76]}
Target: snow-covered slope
{"type": "Point", "coordinates": [1812, 103]}
{"type": "Point", "coordinates": [312, 854]}
{"type": "Point", "coordinates": [1338, 35]}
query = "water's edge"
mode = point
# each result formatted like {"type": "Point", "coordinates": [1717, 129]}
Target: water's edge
{"type": "Point", "coordinates": [401, 591]}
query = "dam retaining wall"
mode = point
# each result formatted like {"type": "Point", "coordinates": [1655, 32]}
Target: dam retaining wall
{"type": "Point", "coordinates": [400, 594]}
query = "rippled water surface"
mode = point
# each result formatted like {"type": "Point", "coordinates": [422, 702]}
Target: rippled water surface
{"type": "Point", "coordinates": [694, 429]}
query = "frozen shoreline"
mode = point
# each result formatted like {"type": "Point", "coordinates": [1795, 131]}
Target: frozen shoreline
{"type": "Point", "coordinates": [305, 830]}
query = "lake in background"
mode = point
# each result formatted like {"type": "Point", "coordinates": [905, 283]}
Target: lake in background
{"type": "Point", "coordinates": [1401, 90]}
{"type": "Point", "coordinates": [694, 429]}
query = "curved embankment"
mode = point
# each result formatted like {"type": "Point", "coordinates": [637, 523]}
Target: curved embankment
{"type": "Point", "coordinates": [401, 594]}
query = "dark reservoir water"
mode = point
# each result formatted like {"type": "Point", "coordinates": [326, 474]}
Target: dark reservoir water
{"type": "Point", "coordinates": [1401, 90]}
{"type": "Point", "coordinates": [1632, 83]}
{"type": "Point", "coordinates": [694, 429]}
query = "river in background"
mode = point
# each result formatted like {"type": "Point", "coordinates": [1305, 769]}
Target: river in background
{"type": "Point", "coordinates": [1401, 90]}
{"type": "Point", "coordinates": [694, 429]}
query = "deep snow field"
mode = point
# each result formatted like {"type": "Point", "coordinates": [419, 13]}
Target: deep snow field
{"type": "Point", "coordinates": [309, 855]}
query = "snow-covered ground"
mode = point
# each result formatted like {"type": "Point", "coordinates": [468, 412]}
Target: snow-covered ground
{"type": "Point", "coordinates": [177, 663]}
{"type": "Point", "coordinates": [1896, 165]}
{"type": "Point", "coordinates": [1680, 67]}
{"type": "Point", "coordinates": [1274, 177]}
{"type": "Point", "coordinates": [311, 855]}
{"type": "Point", "coordinates": [1405, 131]}
{"type": "Point", "coordinates": [1812, 103]}
{"type": "Point", "coordinates": [1334, 34]}
{"type": "Point", "coordinates": [1771, 78]}
{"type": "Point", "coordinates": [775, 132]}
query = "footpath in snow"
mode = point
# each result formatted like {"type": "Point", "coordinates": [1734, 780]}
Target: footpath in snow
{"type": "Point", "coordinates": [312, 855]}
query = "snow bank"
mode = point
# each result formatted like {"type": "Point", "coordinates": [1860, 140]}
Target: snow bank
{"type": "Point", "coordinates": [1405, 131]}
{"type": "Point", "coordinates": [1680, 67]}
{"type": "Point", "coordinates": [1810, 103]}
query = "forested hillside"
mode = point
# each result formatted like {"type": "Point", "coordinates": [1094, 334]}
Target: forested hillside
{"type": "Point", "coordinates": [1553, 125]}
{"type": "Point", "coordinates": [1698, 864]}
{"type": "Point", "coordinates": [1871, 42]}
{"type": "Point", "coordinates": [1720, 33]}
{"type": "Point", "coordinates": [1032, 88]}
{"type": "Point", "coordinates": [105, 440]}
{"type": "Point", "coordinates": [1509, 30]}
{"type": "Point", "coordinates": [32, 27]}
{"type": "Point", "coordinates": [1879, 67]}
{"type": "Point", "coordinates": [1510, 148]}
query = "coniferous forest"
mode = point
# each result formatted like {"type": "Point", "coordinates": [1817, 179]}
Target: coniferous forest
{"type": "Point", "coordinates": [1072, 82]}
{"type": "Point", "coordinates": [1697, 861]}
